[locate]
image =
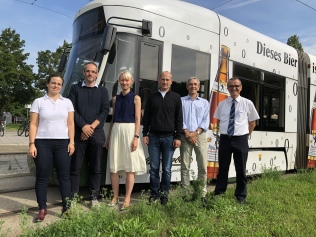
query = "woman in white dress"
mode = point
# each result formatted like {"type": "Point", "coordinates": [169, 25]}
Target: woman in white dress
{"type": "Point", "coordinates": [126, 153]}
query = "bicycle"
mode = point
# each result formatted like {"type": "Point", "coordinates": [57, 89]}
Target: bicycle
{"type": "Point", "coordinates": [2, 128]}
{"type": "Point", "coordinates": [23, 127]}
{"type": "Point", "coordinates": [27, 129]}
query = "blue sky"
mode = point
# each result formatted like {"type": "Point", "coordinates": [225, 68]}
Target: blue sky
{"type": "Point", "coordinates": [44, 29]}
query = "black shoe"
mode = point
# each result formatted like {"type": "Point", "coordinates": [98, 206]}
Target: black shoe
{"type": "Point", "coordinates": [153, 199]}
{"type": "Point", "coordinates": [242, 201]}
{"type": "Point", "coordinates": [163, 200]}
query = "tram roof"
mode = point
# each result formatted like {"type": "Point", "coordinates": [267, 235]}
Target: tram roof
{"type": "Point", "coordinates": [174, 9]}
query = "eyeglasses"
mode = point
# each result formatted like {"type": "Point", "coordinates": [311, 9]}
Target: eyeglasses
{"type": "Point", "coordinates": [90, 71]}
{"type": "Point", "coordinates": [235, 86]}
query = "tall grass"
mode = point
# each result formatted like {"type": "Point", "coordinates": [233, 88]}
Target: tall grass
{"type": "Point", "coordinates": [278, 205]}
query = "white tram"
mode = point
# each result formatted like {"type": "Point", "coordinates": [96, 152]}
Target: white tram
{"type": "Point", "coordinates": [151, 36]}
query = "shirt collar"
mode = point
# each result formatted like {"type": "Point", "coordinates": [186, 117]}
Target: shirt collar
{"type": "Point", "coordinates": [46, 97]}
{"type": "Point", "coordinates": [84, 84]}
{"type": "Point", "coordinates": [237, 99]}
{"type": "Point", "coordinates": [189, 98]}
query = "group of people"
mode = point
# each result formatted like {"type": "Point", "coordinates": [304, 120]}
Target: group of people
{"type": "Point", "coordinates": [64, 131]}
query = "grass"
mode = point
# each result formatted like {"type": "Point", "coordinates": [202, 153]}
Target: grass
{"type": "Point", "coordinates": [12, 127]}
{"type": "Point", "coordinates": [278, 205]}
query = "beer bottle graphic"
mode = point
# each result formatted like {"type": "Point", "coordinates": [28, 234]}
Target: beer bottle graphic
{"type": "Point", "coordinates": [219, 92]}
{"type": "Point", "coordinates": [311, 162]}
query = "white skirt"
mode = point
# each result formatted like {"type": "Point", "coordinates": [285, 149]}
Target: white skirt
{"type": "Point", "coordinates": [122, 159]}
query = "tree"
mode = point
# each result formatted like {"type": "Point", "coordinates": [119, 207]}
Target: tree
{"type": "Point", "coordinates": [295, 43]}
{"type": "Point", "coordinates": [48, 62]}
{"type": "Point", "coordinates": [16, 76]}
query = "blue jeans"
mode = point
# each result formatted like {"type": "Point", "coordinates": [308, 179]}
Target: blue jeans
{"type": "Point", "coordinates": [160, 146]}
{"type": "Point", "coordinates": [51, 151]}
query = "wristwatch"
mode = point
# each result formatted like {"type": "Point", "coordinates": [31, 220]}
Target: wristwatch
{"type": "Point", "coordinates": [137, 136]}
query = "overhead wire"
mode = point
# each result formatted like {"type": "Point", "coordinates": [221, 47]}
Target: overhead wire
{"type": "Point", "coordinates": [32, 4]}
{"type": "Point", "coordinates": [221, 4]}
{"type": "Point", "coordinates": [306, 5]}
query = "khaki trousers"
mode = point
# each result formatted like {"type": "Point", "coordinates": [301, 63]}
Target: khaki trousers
{"type": "Point", "coordinates": [200, 150]}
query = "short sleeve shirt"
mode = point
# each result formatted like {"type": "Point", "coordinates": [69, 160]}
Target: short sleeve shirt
{"type": "Point", "coordinates": [53, 117]}
{"type": "Point", "coordinates": [245, 112]}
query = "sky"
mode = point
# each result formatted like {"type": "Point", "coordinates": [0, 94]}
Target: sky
{"type": "Point", "coordinates": [45, 24]}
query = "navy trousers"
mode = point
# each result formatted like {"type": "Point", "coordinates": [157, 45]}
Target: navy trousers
{"type": "Point", "coordinates": [238, 146]}
{"type": "Point", "coordinates": [92, 149]}
{"type": "Point", "coordinates": [52, 151]}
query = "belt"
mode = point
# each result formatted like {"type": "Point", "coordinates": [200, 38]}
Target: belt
{"type": "Point", "coordinates": [162, 134]}
{"type": "Point", "coordinates": [226, 135]}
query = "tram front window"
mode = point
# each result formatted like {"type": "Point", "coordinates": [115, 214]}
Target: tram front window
{"type": "Point", "coordinates": [87, 36]}
{"type": "Point", "coordinates": [82, 52]}
{"type": "Point", "coordinates": [125, 59]}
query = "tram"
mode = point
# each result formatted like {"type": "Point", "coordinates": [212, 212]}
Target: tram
{"type": "Point", "coordinates": [147, 37]}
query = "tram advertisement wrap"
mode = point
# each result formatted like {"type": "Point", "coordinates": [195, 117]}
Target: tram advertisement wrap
{"type": "Point", "coordinates": [219, 92]}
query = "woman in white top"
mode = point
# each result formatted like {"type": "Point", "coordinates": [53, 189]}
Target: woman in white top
{"type": "Point", "coordinates": [52, 141]}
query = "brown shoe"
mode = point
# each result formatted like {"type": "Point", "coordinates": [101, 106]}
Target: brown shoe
{"type": "Point", "coordinates": [41, 215]}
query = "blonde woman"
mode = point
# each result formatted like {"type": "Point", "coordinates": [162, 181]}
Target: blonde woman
{"type": "Point", "coordinates": [125, 149]}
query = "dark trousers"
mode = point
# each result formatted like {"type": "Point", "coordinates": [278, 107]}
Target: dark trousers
{"type": "Point", "coordinates": [92, 149]}
{"type": "Point", "coordinates": [49, 151]}
{"type": "Point", "coordinates": [238, 146]}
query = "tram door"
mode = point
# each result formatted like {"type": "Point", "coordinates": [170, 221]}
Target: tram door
{"type": "Point", "coordinates": [150, 66]}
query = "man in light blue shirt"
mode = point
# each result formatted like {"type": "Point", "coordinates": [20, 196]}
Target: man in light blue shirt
{"type": "Point", "coordinates": [195, 124]}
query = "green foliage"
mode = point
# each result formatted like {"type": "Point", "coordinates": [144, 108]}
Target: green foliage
{"type": "Point", "coordinates": [271, 173]}
{"type": "Point", "coordinates": [130, 227]}
{"type": "Point", "coordinates": [16, 76]}
{"type": "Point", "coordinates": [186, 231]}
{"type": "Point", "coordinates": [295, 43]}
{"type": "Point", "coordinates": [48, 62]}
{"type": "Point", "coordinates": [279, 205]}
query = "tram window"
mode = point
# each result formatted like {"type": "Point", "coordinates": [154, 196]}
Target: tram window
{"type": "Point", "coordinates": [148, 61]}
{"type": "Point", "coordinates": [243, 72]}
{"type": "Point", "coordinates": [274, 80]}
{"type": "Point", "coordinates": [273, 110]}
{"type": "Point", "coordinates": [267, 92]}
{"type": "Point", "coordinates": [187, 63]}
{"type": "Point", "coordinates": [124, 60]}
{"type": "Point", "coordinates": [149, 70]}
{"type": "Point", "coordinates": [251, 91]}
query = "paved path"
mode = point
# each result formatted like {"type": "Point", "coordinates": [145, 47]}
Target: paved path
{"type": "Point", "coordinates": [12, 143]}
{"type": "Point", "coordinates": [15, 175]}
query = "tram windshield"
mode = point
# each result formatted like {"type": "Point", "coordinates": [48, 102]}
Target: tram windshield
{"type": "Point", "coordinates": [87, 36]}
{"type": "Point", "coordinates": [89, 50]}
